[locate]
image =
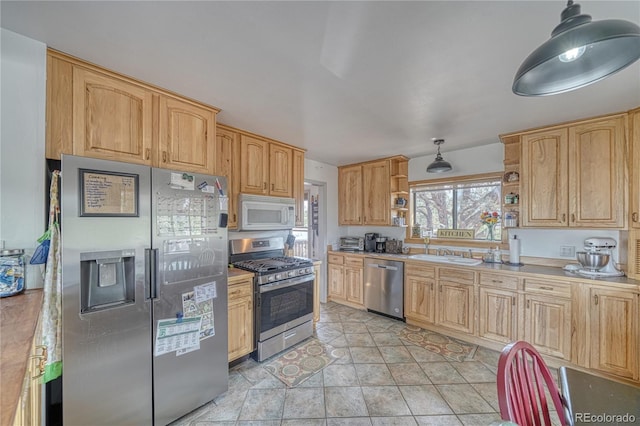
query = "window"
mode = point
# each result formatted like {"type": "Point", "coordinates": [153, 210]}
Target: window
{"type": "Point", "coordinates": [456, 203]}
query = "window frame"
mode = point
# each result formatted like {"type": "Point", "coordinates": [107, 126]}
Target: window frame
{"type": "Point", "coordinates": [434, 241]}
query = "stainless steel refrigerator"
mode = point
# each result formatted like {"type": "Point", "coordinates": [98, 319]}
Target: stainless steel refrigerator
{"type": "Point", "coordinates": [144, 255]}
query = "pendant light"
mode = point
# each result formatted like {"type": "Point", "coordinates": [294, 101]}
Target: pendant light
{"type": "Point", "coordinates": [438, 165]}
{"type": "Point", "coordinates": [579, 52]}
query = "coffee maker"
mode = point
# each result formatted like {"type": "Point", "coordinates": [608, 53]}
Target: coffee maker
{"type": "Point", "coordinates": [370, 241]}
{"type": "Point", "coordinates": [381, 244]}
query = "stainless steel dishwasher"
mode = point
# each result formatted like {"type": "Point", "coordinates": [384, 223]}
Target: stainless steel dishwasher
{"type": "Point", "coordinates": [383, 286]}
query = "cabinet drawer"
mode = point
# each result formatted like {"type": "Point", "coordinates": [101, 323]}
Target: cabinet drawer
{"type": "Point", "coordinates": [457, 275]}
{"type": "Point", "coordinates": [336, 259]}
{"type": "Point", "coordinates": [237, 291]}
{"type": "Point", "coordinates": [356, 262]}
{"type": "Point", "coordinates": [498, 280]}
{"type": "Point", "coordinates": [420, 270]}
{"type": "Point", "coordinates": [547, 287]}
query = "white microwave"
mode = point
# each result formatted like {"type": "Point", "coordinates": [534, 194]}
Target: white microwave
{"type": "Point", "coordinates": [263, 213]}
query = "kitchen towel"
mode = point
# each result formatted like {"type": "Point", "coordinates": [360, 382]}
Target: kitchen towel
{"type": "Point", "coordinates": [514, 250]}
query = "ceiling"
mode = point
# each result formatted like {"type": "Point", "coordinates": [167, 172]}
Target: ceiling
{"type": "Point", "coordinates": [348, 81]}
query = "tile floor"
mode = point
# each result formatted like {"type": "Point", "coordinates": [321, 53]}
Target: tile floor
{"type": "Point", "coordinates": [378, 380]}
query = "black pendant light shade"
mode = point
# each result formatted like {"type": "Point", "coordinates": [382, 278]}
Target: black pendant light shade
{"type": "Point", "coordinates": [438, 165]}
{"type": "Point", "coordinates": [579, 52]}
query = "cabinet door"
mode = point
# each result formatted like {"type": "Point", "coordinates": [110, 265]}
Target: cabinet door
{"type": "Point", "coordinates": [228, 165]}
{"type": "Point", "coordinates": [596, 174]}
{"type": "Point", "coordinates": [498, 315]}
{"type": "Point", "coordinates": [548, 325]}
{"type": "Point", "coordinates": [455, 306]}
{"type": "Point", "coordinates": [186, 136]}
{"type": "Point", "coordinates": [614, 332]}
{"type": "Point", "coordinates": [335, 282]}
{"type": "Point", "coordinates": [350, 195]}
{"type": "Point", "coordinates": [544, 174]}
{"type": "Point", "coordinates": [112, 119]}
{"type": "Point", "coordinates": [240, 315]}
{"type": "Point", "coordinates": [254, 158]}
{"type": "Point", "coordinates": [376, 199]}
{"type": "Point", "coordinates": [353, 285]}
{"type": "Point", "coordinates": [634, 132]}
{"type": "Point", "coordinates": [419, 299]}
{"type": "Point", "coordinates": [298, 186]}
{"type": "Point", "coordinates": [280, 171]}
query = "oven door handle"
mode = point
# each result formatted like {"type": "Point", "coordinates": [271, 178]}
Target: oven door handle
{"type": "Point", "coordinates": [286, 283]}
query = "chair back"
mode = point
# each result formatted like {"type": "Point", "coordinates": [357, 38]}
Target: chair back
{"type": "Point", "coordinates": [524, 386]}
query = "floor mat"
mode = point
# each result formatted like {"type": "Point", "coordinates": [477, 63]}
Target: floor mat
{"type": "Point", "coordinates": [448, 347]}
{"type": "Point", "coordinates": [301, 362]}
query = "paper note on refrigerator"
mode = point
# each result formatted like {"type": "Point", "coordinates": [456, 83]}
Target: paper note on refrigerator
{"type": "Point", "coordinates": [205, 292]}
{"type": "Point", "coordinates": [176, 334]}
{"type": "Point", "coordinates": [191, 307]}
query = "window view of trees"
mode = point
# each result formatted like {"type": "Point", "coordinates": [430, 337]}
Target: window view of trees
{"type": "Point", "coordinates": [456, 206]}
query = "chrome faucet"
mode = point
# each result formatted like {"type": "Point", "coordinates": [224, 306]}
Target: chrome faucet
{"type": "Point", "coordinates": [444, 252]}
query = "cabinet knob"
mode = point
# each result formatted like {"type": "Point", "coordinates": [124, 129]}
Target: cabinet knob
{"type": "Point", "coordinates": [528, 304]}
{"type": "Point", "coordinates": [595, 299]}
{"type": "Point", "coordinates": [164, 156]}
{"type": "Point", "coordinates": [573, 217]}
{"type": "Point", "coordinates": [264, 185]}
{"type": "Point", "coordinates": [634, 216]}
{"type": "Point", "coordinates": [564, 217]}
{"type": "Point", "coordinates": [273, 186]}
{"type": "Point", "coordinates": [147, 153]}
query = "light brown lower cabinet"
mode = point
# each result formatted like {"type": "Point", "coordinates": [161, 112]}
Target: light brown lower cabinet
{"type": "Point", "coordinates": [548, 324]}
{"type": "Point", "coordinates": [28, 411]}
{"type": "Point", "coordinates": [498, 314]}
{"type": "Point", "coordinates": [345, 279]}
{"type": "Point", "coordinates": [240, 315]}
{"type": "Point", "coordinates": [613, 332]}
{"type": "Point", "coordinates": [456, 299]}
{"type": "Point", "coordinates": [420, 293]}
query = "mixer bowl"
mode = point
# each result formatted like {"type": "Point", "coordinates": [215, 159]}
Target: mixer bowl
{"type": "Point", "coordinates": [592, 261]}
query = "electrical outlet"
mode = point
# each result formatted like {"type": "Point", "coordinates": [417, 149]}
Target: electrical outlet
{"type": "Point", "coordinates": [567, 251]}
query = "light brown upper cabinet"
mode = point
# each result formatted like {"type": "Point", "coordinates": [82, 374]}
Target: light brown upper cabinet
{"type": "Point", "coordinates": [267, 168]}
{"type": "Point", "coordinates": [227, 162]}
{"type": "Point", "coordinates": [573, 176]}
{"type": "Point", "coordinates": [298, 186]}
{"type": "Point", "coordinates": [366, 191]}
{"type": "Point", "coordinates": [350, 195]}
{"type": "Point", "coordinates": [634, 167]}
{"type": "Point", "coordinates": [94, 112]}
{"type": "Point", "coordinates": [112, 118]}
{"type": "Point", "coordinates": [187, 136]}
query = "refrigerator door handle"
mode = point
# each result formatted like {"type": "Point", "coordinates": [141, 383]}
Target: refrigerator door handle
{"type": "Point", "coordinates": [151, 268]}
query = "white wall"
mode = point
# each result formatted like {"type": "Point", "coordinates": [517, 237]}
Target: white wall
{"type": "Point", "coordinates": [22, 139]}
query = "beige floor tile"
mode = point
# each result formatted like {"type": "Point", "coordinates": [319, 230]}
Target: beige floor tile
{"type": "Point", "coordinates": [359, 339]}
{"type": "Point", "coordinates": [393, 421]}
{"type": "Point", "coordinates": [425, 400]}
{"type": "Point", "coordinates": [305, 403]}
{"type": "Point", "coordinates": [346, 401]}
{"type": "Point", "coordinates": [365, 355]}
{"type": "Point", "coordinates": [374, 375]}
{"type": "Point", "coordinates": [463, 399]}
{"type": "Point", "coordinates": [441, 372]}
{"type": "Point", "coordinates": [349, 421]}
{"type": "Point", "coordinates": [340, 375]}
{"type": "Point", "coordinates": [450, 420]}
{"type": "Point", "coordinates": [478, 419]}
{"type": "Point", "coordinates": [385, 401]}
{"type": "Point", "coordinates": [408, 374]}
{"type": "Point", "coordinates": [474, 371]}
{"type": "Point", "coordinates": [422, 355]}
{"type": "Point", "coordinates": [263, 404]}
{"type": "Point", "coordinates": [385, 339]}
{"type": "Point", "coordinates": [395, 354]}
{"type": "Point", "coordinates": [488, 391]}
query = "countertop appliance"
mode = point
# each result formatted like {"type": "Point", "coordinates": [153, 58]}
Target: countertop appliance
{"type": "Point", "coordinates": [144, 268]}
{"type": "Point", "coordinates": [381, 244]}
{"type": "Point", "coordinates": [283, 290]}
{"type": "Point", "coordinates": [370, 241]}
{"type": "Point", "coordinates": [595, 247]}
{"type": "Point", "coordinates": [351, 243]}
{"type": "Point", "coordinates": [383, 286]}
{"type": "Point", "coordinates": [265, 213]}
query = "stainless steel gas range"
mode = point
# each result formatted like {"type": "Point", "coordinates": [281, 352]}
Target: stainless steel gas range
{"type": "Point", "coordinates": [283, 289]}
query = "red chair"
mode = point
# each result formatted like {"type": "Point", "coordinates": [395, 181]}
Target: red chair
{"type": "Point", "coordinates": [522, 380]}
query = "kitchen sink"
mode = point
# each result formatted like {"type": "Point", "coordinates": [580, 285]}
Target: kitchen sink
{"type": "Point", "coordinates": [443, 259]}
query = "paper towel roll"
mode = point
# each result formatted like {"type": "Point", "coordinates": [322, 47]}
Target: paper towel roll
{"type": "Point", "coordinates": [514, 250]}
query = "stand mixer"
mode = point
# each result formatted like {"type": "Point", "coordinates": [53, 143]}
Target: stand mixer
{"type": "Point", "coordinates": [598, 246]}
